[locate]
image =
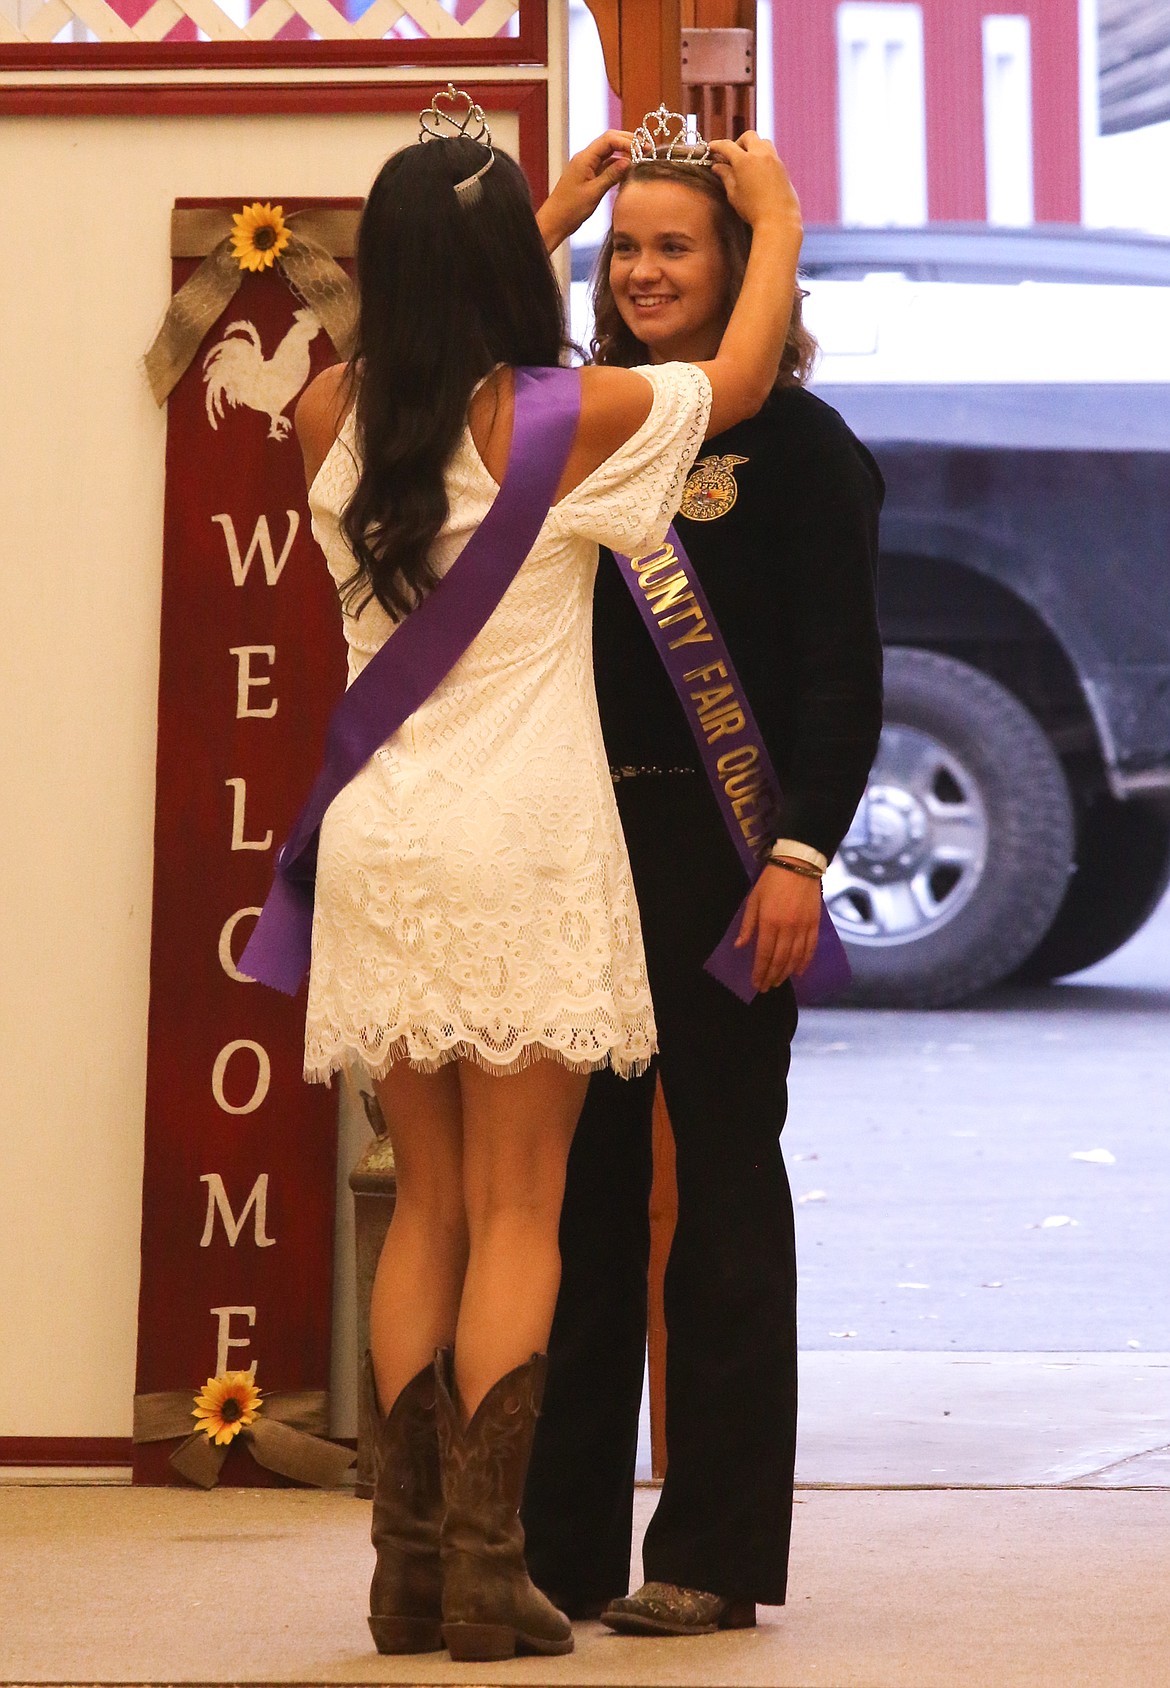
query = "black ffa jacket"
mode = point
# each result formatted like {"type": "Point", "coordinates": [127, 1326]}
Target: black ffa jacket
{"type": "Point", "coordinates": [788, 559]}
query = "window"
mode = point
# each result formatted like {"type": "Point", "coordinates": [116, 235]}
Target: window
{"type": "Point", "coordinates": [882, 114]}
{"type": "Point", "coordinates": [1007, 118]}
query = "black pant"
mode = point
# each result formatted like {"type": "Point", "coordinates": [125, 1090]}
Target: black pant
{"type": "Point", "coordinates": [724, 1517]}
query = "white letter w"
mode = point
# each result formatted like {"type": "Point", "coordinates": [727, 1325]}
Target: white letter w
{"type": "Point", "coordinates": [262, 542]}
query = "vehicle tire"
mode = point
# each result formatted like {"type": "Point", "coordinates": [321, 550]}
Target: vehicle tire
{"type": "Point", "coordinates": [1122, 871]}
{"type": "Point", "coordinates": [960, 853]}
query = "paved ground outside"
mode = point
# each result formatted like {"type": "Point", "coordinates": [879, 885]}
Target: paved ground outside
{"type": "Point", "coordinates": [994, 1177]}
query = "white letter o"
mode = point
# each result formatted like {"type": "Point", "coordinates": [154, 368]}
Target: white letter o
{"type": "Point", "coordinates": [263, 1076]}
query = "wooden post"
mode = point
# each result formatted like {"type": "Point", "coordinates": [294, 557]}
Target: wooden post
{"type": "Point", "coordinates": [641, 43]}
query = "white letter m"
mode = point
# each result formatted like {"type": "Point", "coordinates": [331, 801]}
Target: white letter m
{"type": "Point", "coordinates": [217, 1198]}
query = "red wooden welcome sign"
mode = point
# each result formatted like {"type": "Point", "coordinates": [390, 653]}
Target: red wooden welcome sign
{"type": "Point", "coordinates": [239, 1178]}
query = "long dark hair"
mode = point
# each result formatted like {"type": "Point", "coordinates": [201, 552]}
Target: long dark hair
{"type": "Point", "coordinates": [615, 343]}
{"type": "Point", "coordinates": [447, 291]}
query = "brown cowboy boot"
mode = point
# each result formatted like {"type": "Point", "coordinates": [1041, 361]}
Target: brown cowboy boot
{"type": "Point", "coordinates": [491, 1609]}
{"type": "Point", "coordinates": [406, 1593]}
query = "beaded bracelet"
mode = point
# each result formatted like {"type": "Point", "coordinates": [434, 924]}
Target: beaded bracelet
{"type": "Point", "coordinates": [803, 870]}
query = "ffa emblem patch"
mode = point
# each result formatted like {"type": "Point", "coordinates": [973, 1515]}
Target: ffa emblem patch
{"type": "Point", "coordinates": [710, 490]}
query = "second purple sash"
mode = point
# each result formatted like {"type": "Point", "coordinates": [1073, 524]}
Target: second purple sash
{"type": "Point", "coordinates": [674, 607]}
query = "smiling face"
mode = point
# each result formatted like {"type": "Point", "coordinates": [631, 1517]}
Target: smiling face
{"type": "Point", "coordinates": [669, 272]}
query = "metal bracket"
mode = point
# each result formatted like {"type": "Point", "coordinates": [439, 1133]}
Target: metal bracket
{"type": "Point", "coordinates": [718, 57]}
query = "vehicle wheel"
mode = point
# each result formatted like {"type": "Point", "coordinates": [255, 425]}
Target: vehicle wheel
{"type": "Point", "coordinates": [1122, 871]}
{"type": "Point", "coordinates": [960, 853]}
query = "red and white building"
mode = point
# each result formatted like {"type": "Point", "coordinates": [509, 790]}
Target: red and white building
{"type": "Point", "coordinates": [891, 112]}
{"type": "Point", "coordinates": [897, 112]}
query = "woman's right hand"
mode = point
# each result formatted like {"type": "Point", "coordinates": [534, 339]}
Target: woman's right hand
{"type": "Point", "coordinates": [583, 184]}
{"type": "Point", "coordinates": [756, 182]}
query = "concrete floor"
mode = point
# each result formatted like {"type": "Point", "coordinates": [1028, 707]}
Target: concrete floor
{"type": "Point", "coordinates": [942, 1201]}
{"type": "Point", "coordinates": [1064, 1588]}
{"type": "Point", "coordinates": [985, 1421]}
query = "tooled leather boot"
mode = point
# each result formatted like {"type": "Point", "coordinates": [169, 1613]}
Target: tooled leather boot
{"type": "Point", "coordinates": [660, 1608]}
{"type": "Point", "coordinates": [491, 1609]}
{"type": "Point", "coordinates": [406, 1593]}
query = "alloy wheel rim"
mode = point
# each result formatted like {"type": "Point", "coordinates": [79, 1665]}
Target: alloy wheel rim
{"type": "Point", "coordinates": [917, 849]}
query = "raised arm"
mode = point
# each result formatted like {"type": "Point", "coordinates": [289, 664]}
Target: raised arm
{"type": "Point", "coordinates": [759, 189]}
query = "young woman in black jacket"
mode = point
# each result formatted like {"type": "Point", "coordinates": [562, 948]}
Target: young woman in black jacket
{"type": "Point", "coordinates": [780, 521]}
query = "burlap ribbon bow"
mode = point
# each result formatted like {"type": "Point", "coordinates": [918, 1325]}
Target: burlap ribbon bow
{"type": "Point", "coordinates": [314, 276]}
{"type": "Point", "coordinates": [288, 1435]}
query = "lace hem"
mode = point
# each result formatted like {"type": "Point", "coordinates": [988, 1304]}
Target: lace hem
{"type": "Point", "coordinates": [405, 1047]}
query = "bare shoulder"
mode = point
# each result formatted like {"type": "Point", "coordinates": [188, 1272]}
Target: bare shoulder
{"type": "Point", "coordinates": [320, 411]}
{"type": "Point", "coordinates": [325, 400]}
{"type": "Point", "coordinates": [614, 403]}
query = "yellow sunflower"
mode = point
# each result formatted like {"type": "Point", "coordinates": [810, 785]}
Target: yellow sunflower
{"type": "Point", "coordinates": [259, 235]}
{"type": "Point", "coordinates": [226, 1404]}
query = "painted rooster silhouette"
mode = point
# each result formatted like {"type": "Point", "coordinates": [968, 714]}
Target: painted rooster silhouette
{"type": "Point", "coordinates": [237, 372]}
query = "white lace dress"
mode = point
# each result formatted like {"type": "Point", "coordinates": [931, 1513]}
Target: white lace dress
{"type": "Point", "coordinates": [474, 896]}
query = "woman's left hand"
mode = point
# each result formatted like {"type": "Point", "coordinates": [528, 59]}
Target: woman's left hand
{"type": "Point", "coordinates": [784, 912]}
{"type": "Point", "coordinates": [584, 183]}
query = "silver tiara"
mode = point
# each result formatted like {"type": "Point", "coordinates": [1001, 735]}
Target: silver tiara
{"type": "Point", "coordinates": [453, 116]}
{"type": "Point", "coordinates": [664, 137]}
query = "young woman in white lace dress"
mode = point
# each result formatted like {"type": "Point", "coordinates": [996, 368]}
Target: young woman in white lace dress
{"type": "Point", "coordinates": [476, 943]}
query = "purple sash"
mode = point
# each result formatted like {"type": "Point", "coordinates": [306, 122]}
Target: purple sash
{"type": "Point", "coordinates": [665, 586]}
{"type": "Point", "coordinates": [421, 652]}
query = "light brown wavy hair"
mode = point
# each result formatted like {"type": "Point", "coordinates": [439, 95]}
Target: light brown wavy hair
{"type": "Point", "coordinates": [614, 342]}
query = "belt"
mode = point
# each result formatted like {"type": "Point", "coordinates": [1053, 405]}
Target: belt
{"type": "Point", "coordinates": [619, 774]}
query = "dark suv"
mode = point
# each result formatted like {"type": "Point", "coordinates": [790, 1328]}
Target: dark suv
{"type": "Point", "coordinates": [1017, 821]}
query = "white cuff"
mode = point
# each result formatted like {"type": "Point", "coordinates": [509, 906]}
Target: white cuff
{"type": "Point", "coordinates": [799, 852]}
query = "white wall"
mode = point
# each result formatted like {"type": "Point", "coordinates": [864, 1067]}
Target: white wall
{"type": "Point", "coordinates": [1127, 180]}
{"type": "Point", "coordinates": [882, 113]}
{"type": "Point", "coordinates": [765, 72]}
{"type": "Point", "coordinates": [81, 495]}
{"type": "Point", "coordinates": [1007, 118]}
{"type": "Point", "coordinates": [588, 104]}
